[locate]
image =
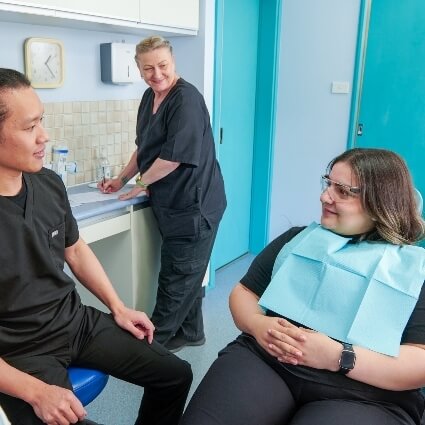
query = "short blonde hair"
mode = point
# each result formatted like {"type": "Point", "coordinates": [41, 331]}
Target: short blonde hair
{"type": "Point", "coordinates": [152, 43]}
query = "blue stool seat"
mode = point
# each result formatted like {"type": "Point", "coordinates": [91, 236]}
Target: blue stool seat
{"type": "Point", "coordinates": [87, 384]}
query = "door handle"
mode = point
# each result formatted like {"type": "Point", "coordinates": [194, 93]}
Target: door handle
{"type": "Point", "coordinates": [221, 136]}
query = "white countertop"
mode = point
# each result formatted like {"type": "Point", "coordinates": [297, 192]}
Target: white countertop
{"type": "Point", "coordinates": [98, 209]}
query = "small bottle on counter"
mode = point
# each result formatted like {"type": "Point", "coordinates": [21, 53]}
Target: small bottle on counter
{"type": "Point", "coordinates": [103, 167]}
{"type": "Point", "coordinates": [60, 154]}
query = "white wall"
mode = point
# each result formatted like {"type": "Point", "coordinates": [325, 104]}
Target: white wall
{"type": "Point", "coordinates": [195, 55]}
{"type": "Point", "coordinates": [82, 81]}
{"type": "Point", "coordinates": [318, 45]}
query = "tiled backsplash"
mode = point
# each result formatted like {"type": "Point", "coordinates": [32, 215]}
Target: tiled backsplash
{"type": "Point", "coordinates": [87, 127]}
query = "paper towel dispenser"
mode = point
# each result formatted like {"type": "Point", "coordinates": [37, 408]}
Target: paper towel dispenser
{"type": "Point", "coordinates": [117, 63]}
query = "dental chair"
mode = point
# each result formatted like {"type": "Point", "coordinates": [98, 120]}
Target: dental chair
{"type": "Point", "coordinates": [419, 200]}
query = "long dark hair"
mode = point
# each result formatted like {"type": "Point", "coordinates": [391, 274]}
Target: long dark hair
{"type": "Point", "coordinates": [387, 194]}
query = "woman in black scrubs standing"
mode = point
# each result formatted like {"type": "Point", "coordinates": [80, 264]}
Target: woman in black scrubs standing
{"type": "Point", "coordinates": [176, 159]}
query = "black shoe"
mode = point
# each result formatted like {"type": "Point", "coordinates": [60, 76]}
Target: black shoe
{"type": "Point", "coordinates": [178, 342]}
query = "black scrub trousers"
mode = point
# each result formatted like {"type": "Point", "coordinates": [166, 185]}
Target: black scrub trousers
{"type": "Point", "coordinates": [179, 301]}
{"type": "Point", "coordinates": [99, 343]}
{"type": "Point", "coordinates": [188, 204]}
{"type": "Point", "coordinates": [247, 386]}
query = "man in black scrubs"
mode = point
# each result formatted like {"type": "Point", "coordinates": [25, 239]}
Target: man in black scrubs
{"type": "Point", "coordinates": [176, 159]}
{"type": "Point", "coordinates": [43, 325]}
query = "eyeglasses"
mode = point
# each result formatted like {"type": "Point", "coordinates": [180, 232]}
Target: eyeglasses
{"type": "Point", "coordinates": [339, 192]}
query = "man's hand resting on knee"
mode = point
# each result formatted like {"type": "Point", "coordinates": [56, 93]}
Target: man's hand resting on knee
{"type": "Point", "coordinates": [57, 405]}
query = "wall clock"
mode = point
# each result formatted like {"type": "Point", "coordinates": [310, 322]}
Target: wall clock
{"type": "Point", "coordinates": [44, 62]}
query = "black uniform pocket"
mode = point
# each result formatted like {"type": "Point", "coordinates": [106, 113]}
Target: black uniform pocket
{"type": "Point", "coordinates": [56, 237]}
{"type": "Point", "coordinates": [189, 267]}
{"type": "Point", "coordinates": [184, 223]}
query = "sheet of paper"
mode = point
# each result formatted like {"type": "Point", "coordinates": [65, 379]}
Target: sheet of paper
{"type": "Point", "coordinates": [73, 204]}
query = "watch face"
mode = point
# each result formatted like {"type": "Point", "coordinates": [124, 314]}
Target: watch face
{"type": "Point", "coordinates": [348, 358]}
{"type": "Point", "coordinates": [44, 62]}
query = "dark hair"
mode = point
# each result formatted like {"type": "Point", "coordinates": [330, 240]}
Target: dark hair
{"type": "Point", "coordinates": [387, 194]}
{"type": "Point", "coordinates": [10, 80]}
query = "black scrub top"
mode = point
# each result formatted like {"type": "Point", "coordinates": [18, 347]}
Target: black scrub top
{"type": "Point", "coordinates": [180, 131]}
{"type": "Point", "coordinates": [39, 305]}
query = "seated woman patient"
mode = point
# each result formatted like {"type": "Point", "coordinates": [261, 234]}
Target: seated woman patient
{"type": "Point", "coordinates": [332, 315]}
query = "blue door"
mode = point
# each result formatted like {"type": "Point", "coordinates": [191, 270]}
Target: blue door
{"type": "Point", "coordinates": [391, 112]}
{"type": "Point", "coordinates": [234, 118]}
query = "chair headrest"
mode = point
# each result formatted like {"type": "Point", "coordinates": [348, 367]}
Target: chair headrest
{"type": "Point", "coordinates": [419, 200]}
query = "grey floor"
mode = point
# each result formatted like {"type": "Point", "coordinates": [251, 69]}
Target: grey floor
{"type": "Point", "coordinates": [119, 401]}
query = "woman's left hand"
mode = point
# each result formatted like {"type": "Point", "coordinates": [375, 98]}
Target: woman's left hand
{"type": "Point", "coordinates": [133, 193]}
{"type": "Point", "coordinates": [317, 350]}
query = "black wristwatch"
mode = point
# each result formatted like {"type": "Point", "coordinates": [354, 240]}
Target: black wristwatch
{"type": "Point", "coordinates": [347, 359]}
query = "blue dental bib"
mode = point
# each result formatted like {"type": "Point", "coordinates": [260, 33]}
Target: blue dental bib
{"type": "Point", "coordinates": [362, 293]}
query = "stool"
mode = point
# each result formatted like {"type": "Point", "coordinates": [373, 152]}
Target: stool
{"type": "Point", "coordinates": [87, 384]}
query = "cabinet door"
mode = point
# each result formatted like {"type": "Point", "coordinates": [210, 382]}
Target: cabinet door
{"type": "Point", "coordinates": [114, 253]}
{"type": "Point", "coordinates": [146, 251]}
{"type": "Point", "coordinates": [170, 13]}
{"type": "Point", "coordinates": [124, 9]}
{"type": "Point", "coordinates": [392, 109]}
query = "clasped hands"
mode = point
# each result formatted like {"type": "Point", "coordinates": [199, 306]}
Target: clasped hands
{"type": "Point", "coordinates": [297, 345]}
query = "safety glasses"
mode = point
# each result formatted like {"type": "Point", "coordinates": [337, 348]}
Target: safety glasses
{"type": "Point", "coordinates": [339, 192]}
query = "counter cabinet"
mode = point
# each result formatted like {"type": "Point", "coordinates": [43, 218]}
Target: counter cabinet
{"type": "Point", "coordinates": [127, 243]}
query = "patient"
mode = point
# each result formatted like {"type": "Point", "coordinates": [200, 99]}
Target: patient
{"type": "Point", "coordinates": [43, 325]}
{"type": "Point", "coordinates": [340, 334]}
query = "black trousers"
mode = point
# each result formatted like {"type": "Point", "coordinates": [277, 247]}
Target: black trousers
{"type": "Point", "coordinates": [242, 387]}
{"type": "Point", "coordinates": [98, 342]}
{"type": "Point", "coordinates": [184, 262]}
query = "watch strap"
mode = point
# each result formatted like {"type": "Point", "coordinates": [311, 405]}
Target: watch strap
{"type": "Point", "coordinates": [140, 183]}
